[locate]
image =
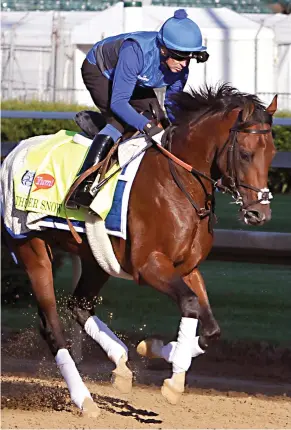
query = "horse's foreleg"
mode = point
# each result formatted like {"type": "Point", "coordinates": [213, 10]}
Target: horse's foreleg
{"type": "Point", "coordinates": [37, 263]}
{"type": "Point", "coordinates": [210, 327]}
{"type": "Point", "coordinates": [82, 306]}
{"type": "Point", "coordinates": [154, 348]}
{"type": "Point", "coordinates": [160, 273]}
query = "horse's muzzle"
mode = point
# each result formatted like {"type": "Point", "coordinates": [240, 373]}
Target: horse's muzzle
{"type": "Point", "coordinates": [256, 217]}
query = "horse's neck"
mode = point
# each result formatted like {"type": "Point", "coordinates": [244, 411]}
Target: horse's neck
{"type": "Point", "coordinates": [198, 147]}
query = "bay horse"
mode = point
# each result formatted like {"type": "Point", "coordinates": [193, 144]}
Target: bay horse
{"type": "Point", "coordinates": [220, 133]}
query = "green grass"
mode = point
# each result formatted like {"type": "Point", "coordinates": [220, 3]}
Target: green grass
{"type": "Point", "coordinates": [228, 214]}
{"type": "Point", "coordinates": [250, 301]}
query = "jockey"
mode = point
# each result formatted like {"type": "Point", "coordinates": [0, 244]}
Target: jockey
{"type": "Point", "coordinates": [120, 73]}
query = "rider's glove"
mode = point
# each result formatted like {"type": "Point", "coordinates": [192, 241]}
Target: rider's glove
{"type": "Point", "coordinates": [151, 129]}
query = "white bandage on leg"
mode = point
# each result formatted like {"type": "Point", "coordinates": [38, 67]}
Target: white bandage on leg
{"type": "Point", "coordinates": [77, 388]}
{"type": "Point", "coordinates": [167, 351]}
{"type": "Point", "coordinates": [182, 356]}
{"type": "Point", "coordinates": [196, 350]}
{"type": "Point", "coordinates": [102, 334]}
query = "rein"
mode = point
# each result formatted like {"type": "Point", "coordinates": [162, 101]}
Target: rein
{"type": "Point", "coordinates": [208, 209]}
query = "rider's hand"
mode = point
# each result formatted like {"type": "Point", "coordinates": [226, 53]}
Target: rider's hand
{"type": "Point", "coordinates": [151, 129]}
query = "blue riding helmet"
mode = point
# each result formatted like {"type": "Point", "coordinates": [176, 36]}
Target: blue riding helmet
{"type": "Point", "coordinates": [181, 33]}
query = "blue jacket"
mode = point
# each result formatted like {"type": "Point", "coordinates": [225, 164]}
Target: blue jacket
{"type": "Point", "coordinates": [134, 59]}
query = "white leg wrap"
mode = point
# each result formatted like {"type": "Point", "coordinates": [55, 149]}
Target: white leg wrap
{"type": "Point", "coordinates": [77, 388]}
{"type": "Point", "coordinates": [182, 356]}
{"type": "Point", "coordinates": [167, 351]}
{"type": "Point", "coordinates": [102, 334]}
{"type": "Point", "coordinates": [196, 350]}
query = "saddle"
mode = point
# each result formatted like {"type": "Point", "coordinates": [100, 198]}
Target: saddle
{"type": "Point", "coordinates": [91, 123]}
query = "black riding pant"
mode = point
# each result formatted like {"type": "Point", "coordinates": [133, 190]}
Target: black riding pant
{"type": "Point", "coordinates": [100, 89]}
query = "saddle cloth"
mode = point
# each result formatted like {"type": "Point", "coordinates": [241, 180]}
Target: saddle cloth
{"type": "Point", "coordinates": [37, 175]}
{"type": "Point", "coordinates": [33, 187]}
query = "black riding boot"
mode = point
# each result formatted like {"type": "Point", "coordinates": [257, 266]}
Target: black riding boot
{"type": "Point", "coordinates": [99, 148]}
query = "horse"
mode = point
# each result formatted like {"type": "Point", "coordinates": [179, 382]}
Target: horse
{"type": "Point", "coordinates": [222, 139]}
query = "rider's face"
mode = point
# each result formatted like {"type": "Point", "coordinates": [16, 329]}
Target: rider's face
{"type": "Point", "coordinates": [174, 64]}
{"type": "Point", "coordinates": [177, 65]}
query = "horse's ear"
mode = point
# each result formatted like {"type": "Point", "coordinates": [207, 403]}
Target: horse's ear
{"type": "Point", "coordinates": [273, 106]}
{"type": "Point", "coordinates": [247, 111]}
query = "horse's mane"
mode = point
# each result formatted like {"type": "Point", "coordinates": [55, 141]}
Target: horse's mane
{"type": "Point", "coordinates": [209, 100]}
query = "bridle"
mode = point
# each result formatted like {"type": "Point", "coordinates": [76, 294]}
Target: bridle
{"type": "Point", "coordinates": [231, 145]}
{"type": "Point", "coordinates": [232, 175]}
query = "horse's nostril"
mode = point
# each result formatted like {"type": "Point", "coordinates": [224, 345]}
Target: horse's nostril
{"type": "Point", "coordinates": [255, 213]}
{"type": "Point", "coordinates": [255, 216]}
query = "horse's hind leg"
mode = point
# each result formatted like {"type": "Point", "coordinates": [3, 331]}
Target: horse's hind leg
{"type": "Point", "coordinates": [34, 255]}
{"type": "Point", "coordinates": [82, 306]}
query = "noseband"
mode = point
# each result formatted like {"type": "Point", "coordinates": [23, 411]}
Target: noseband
{"type": "Point", "coordinates": [263, 195]}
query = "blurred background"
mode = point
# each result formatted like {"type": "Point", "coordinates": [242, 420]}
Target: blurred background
{"type": "Point", "coordinates": [45, 42]}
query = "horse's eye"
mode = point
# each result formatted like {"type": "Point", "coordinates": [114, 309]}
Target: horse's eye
{"type": "Point", "coordinates": [246, 156]}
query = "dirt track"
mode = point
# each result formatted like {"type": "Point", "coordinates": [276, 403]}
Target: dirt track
{"type": "Point", "coordinates": [219, 394]}
{"type": "Point", "coordinates": [143, 408]}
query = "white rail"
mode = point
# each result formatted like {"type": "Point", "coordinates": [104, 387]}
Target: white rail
{"type": "Point", "coordinates": [16, 114]}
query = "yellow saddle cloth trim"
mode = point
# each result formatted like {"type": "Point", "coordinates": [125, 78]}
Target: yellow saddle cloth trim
{"type": "Point", "coordinates": [48, 172]}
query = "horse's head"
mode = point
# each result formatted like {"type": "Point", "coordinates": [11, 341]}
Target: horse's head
{"type": "Point", "coordinates": [245, 158]}
{"type": "Point", "coordinates": [231, 131]}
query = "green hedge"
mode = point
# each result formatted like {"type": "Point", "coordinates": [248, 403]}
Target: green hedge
{"type": "Point", "coordinates": [13, 130]}
{"type": "Point", "coordinates": [280, 179]}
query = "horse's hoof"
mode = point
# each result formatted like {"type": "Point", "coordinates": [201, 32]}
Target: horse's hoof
{"type": "Point", "coordinates": [122, 376]}
{"type": "Point", "coordinates": [90, 409]}
{"type": "Point", "coordinates": [171, 392]}
{"type": "Point", "coordinates": [150, 348]}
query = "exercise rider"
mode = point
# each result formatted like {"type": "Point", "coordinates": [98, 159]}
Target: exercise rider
{"type": "Point", "coordinates": [121, 72]}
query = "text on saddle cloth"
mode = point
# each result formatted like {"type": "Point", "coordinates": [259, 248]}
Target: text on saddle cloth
{"type": "Point", "coordinates": [47, 174]}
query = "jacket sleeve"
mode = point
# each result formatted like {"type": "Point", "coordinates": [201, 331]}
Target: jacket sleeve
{"type": "Point", "coordinates": [129, 66]}
{"type": "Point", "coordinates": [175, 87]}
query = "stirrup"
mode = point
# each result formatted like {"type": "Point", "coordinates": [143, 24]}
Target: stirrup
{"type": "Point", "coordinates": [81, 197]}
{"type": "Point", "coordinates": [98, 150]}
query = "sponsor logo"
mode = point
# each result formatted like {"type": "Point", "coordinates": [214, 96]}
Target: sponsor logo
{"type": "Point", "coordinates": [143, 78]}
{"type": "Point", "coordinates": [44, 181]}
{"type": "Point", "coordinates": [27, 178]}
